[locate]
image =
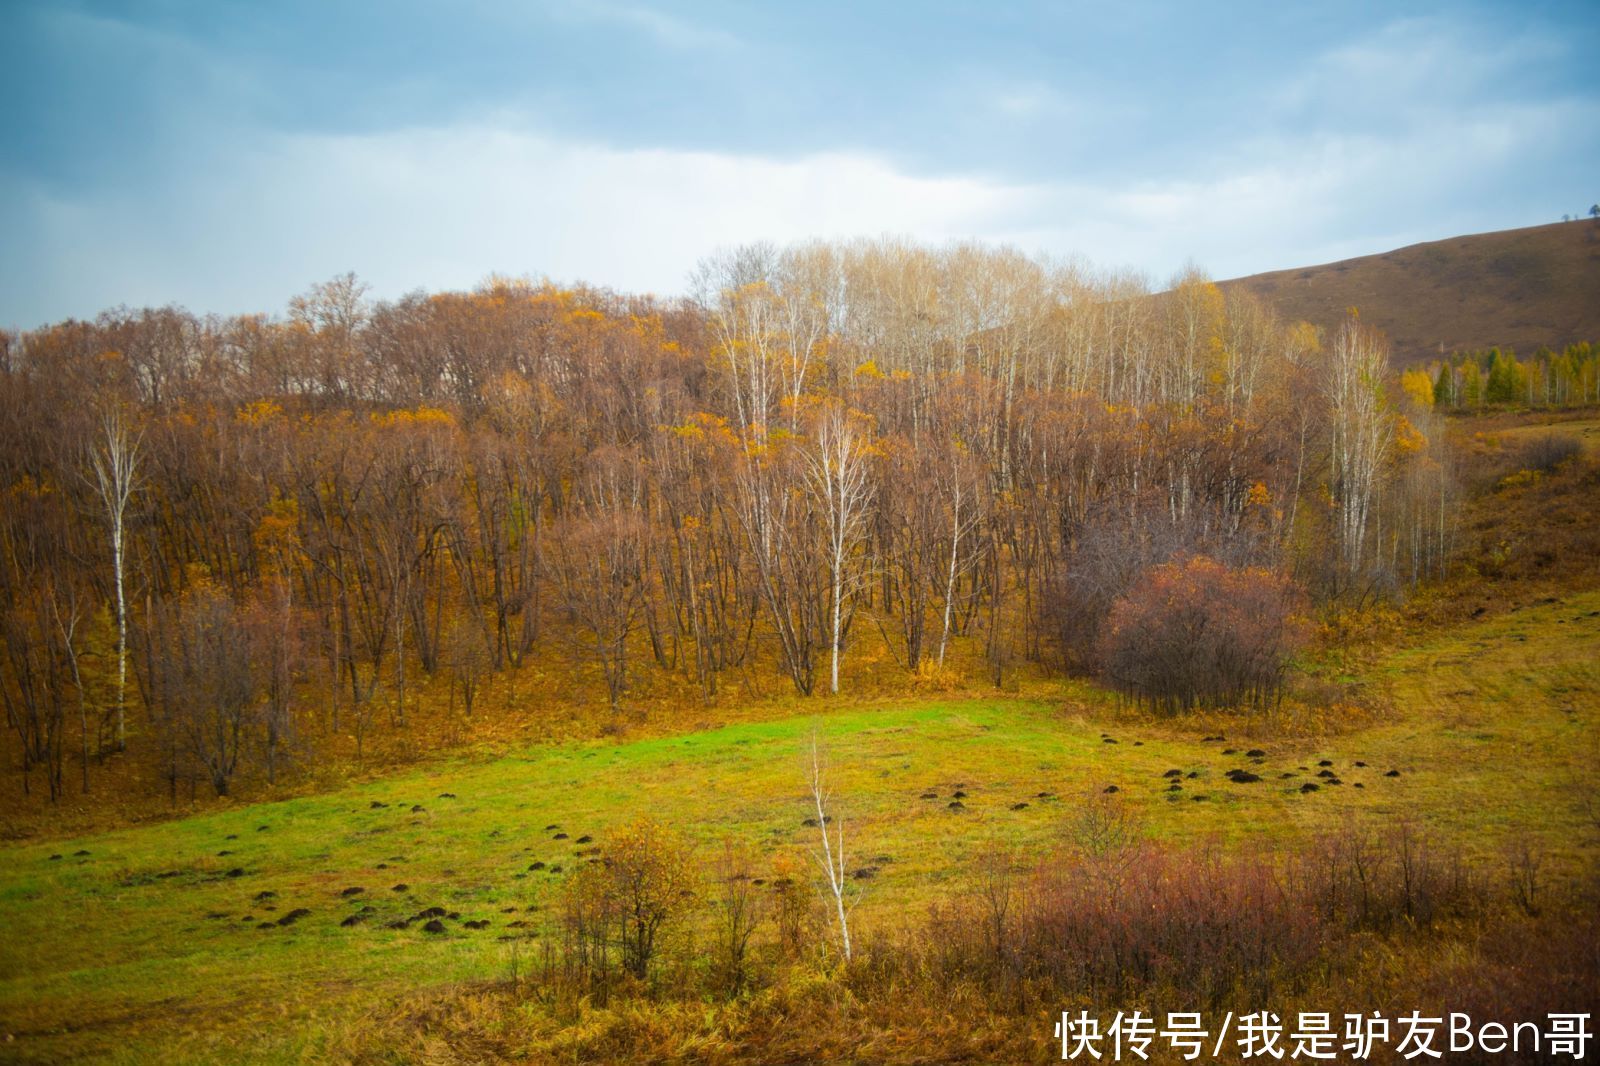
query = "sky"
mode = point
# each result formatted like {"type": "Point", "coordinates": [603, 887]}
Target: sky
{"type": "Point", "coordinates": [225, 155]}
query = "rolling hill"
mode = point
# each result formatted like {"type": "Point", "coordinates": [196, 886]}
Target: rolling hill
{"type": "Point", "coordinates": [1515, 288]}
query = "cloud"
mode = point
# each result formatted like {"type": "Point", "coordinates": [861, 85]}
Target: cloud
{"type": "Point", "coordinates": [1414, 71]}
{"type": "Point", "coordinates": [666, 30]}
{"type": "Point", "coordinates": [442, 208]}
{"type": "Point", "coordinates": [1287, 200]}
{"type": "Point", "coordinates": [242, 216]}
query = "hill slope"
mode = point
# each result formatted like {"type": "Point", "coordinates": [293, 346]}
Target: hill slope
{"type": "Point", "coordinates": [1519, 288]}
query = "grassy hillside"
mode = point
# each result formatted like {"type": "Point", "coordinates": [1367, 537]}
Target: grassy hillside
{"type": "Point", "coordinates": [180, 936]}
{"type": "Point", "coordinates": [1519, 288]}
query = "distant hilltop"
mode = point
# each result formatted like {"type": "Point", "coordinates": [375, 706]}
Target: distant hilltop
{"type": "Point", "coordinates": [1518, 288]}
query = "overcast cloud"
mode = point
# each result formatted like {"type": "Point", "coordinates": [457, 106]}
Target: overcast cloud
{"type": "Point", "coordinates": [225, 156]}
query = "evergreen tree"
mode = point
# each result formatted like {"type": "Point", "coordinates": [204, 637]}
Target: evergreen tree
{"type": "Point", "coordinates": [1471, 383]}
{"type": "Point", "coordinates": [1505, 378]}
{"type": "Point", "coordinates": [1444, 388]}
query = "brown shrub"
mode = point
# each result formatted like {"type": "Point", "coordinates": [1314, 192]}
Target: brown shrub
{"type": "Point", "coordinates": [1380, 880]}
{"type": "Point", "coordinates": [1548, 451]}
{"type": "Point", "coordinates": [1214, 926]}
{"type": "Point", "coordinates": [1196, 633]}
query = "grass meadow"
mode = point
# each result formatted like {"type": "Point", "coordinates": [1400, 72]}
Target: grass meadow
{"type": "Point", "coordinates": [261, 933]}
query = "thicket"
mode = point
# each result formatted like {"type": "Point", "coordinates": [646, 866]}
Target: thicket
{"type": "Point", "coordinates": [1548, 451]}
{"type": "Point", "coordinates": [228, 541]}
{"type": "Point", "coordinates": [1195, 633]}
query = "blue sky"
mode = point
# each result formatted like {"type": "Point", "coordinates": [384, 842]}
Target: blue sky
{"type": "Point", "coordinates": [224, 154]}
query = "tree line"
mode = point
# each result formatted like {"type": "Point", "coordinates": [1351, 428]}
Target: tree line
{"type": "Point", "coordinates": [1495, 377]}
{"type": "Point", "coordinates": [222, 535]}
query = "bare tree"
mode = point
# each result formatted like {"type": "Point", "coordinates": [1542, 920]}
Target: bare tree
{"type": "Point", "coordinates": [738, 909]}
{"type": "Point", "coordinates": [67, 618]}
{"type": "Point", "coordinates": [960, 483]}
{"type": "Point", "coordinates": [1363, 433]}
{"type": "Point", "coordinates": [831, 857]}
{"type": "Point", "coordinates": [327, 319]}
{"type": "Point", "coordinates": [33, 685]}
{"type": "Point", "coordinates": [272, 629]}
{"type": "Point", "coordinates": [597, 561]}
{"type": "Point", "coordinates": [115, 462]}
{"type": "Point", "coordinates": [837, 468]}
{"type": "Point", "coordinates": [776, 518]}
{"type": "Point", "coordinates": [202, 689]}
{"type": "Point", "coordinates": [469, 657]}
{"type": "Point", "coordinates": [745, 316]}
{"type": "Point", "coordinates": [930, 512]}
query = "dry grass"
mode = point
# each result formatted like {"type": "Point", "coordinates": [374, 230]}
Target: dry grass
{"type": "Point", "coordinates": [1516, 288]}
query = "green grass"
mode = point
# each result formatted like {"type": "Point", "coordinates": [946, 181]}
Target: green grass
{"type": "Point", "coordinates": [1498, 721]}
{"type": "Point", "coordinates": [115, 955]}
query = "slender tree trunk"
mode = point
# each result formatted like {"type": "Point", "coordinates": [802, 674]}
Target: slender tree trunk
{"type": "Point", "coordinates": [832, 857]}
{"type": "Point", "coordinates": [122, 636]}
{"type": "Point", "coordinates": [950, 574]}
{"type": "Point", "coordinates": [115, 468]}
{"type": "Point", "coordinates": [838, 596]}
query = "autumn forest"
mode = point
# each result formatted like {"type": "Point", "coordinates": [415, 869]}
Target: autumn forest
{"type": "Point", "coordinates": [231, 544]}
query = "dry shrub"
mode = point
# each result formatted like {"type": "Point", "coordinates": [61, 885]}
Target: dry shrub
{"type": "Point", "coordinates": [1549, 450]}
{"type": "Point", "coordinates": [1524, 862]}
{"type": "Point", "coordinates": [1215, 927]}
{"type": "Point", "coordinates": [795, 907]}
{"type": "Point", "coordinates": [1362, 878]}
{"type": "Point", "coordinates": [1373, 917]}
{"type": "Point", "coordinates": [932, 676]}
{"type": "Point", "coordinates": [1112, 916]}
{"type": "Point", "coordinates": [1522, 968]}
{"type": "Point", "coordinates": [1196, 633]}
{"type": "Point", "coordinates": [737, 910]}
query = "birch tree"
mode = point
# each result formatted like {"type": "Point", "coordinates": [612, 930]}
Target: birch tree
{"type": "Point", "coordinates": [774, 512]}
{"type": "Point", "coordinates": [961, 486]}
{"type": "Point", "coordinates": [838, 477]}
{"type": "Point", "coordinates": [770, 315]}
{"type": "Point", "coordinates": [831, 855]}
{"type": "Point", "coordinates": [115, 463]}
{"type": "Point", "coordinates": [1362, 435]}
{"type": "Point", "coordinates": [745, 317]}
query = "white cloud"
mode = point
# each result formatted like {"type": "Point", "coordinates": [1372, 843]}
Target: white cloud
{"type": "Point", "coordinates": [1298, 200]}
{"type": "Point", "coordinates": [1026, 100]}
{"type": "Point", "coordinates": [468, 201]}
{"type": "Point", "coordinates": [443, 208]}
